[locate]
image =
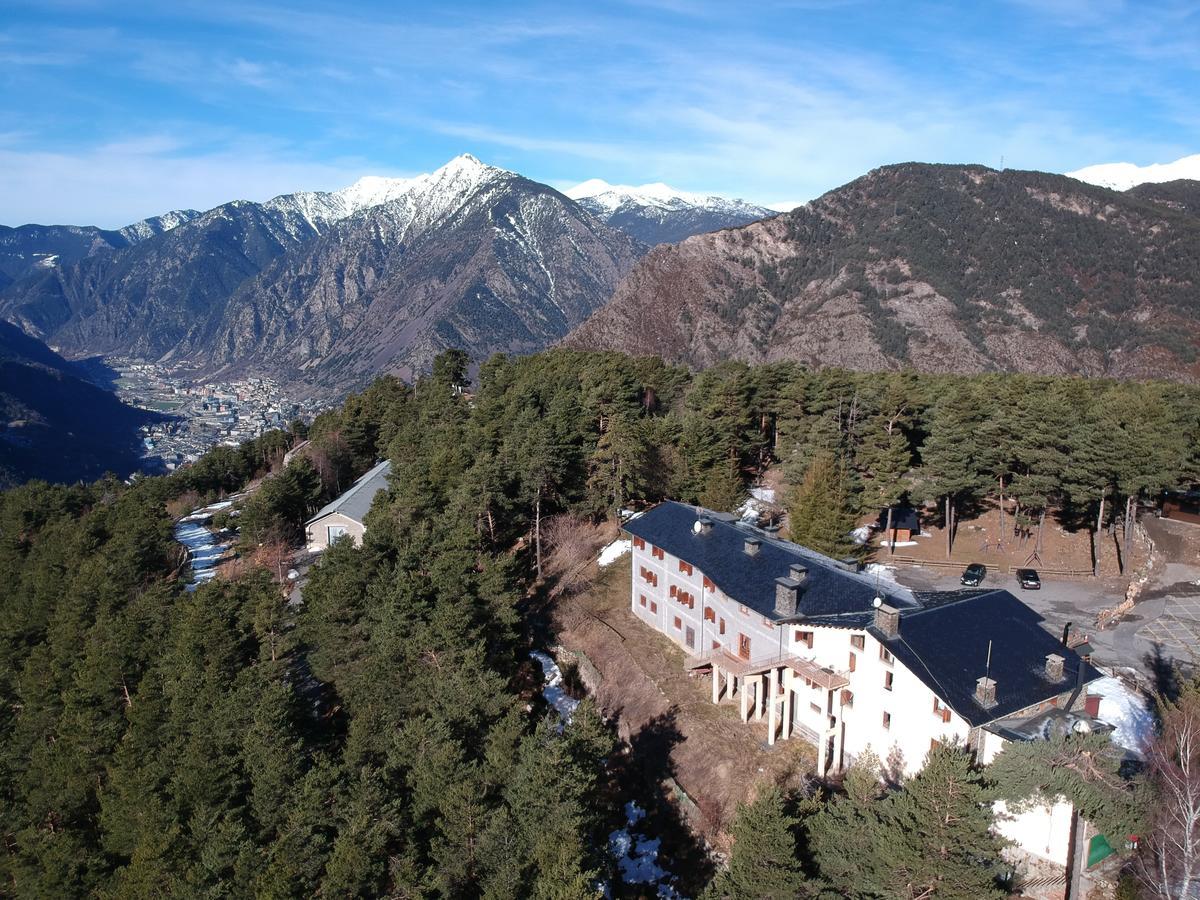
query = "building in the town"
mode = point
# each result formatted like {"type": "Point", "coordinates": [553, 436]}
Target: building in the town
{"type": "Point", "coordinates": [344, 516]}
{"type": "Point", "coordinates": [906, 524]}
{"type": "Point", "coordinates": [1183, 506]}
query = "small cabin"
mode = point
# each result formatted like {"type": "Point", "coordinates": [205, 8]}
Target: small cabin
{"type": "Point", "coordinates": [1182, 506]}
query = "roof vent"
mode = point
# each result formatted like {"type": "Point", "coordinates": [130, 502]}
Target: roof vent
{"type": "Point", "coordinates": [985, 692]}
{"type": "Point", "coordinates": [752, 546]}
{"type": "Point", "coordinates": [887, 619]}
{"type": "Point", "coordinates": [1054, 667]}
{"type": "Point", "coordinates": [703, 525]}
{"type": "Point", "coordinates": [787, 592]}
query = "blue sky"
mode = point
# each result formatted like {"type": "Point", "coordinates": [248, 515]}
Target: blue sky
{"type": "Point", "coordinates": [112, 111]}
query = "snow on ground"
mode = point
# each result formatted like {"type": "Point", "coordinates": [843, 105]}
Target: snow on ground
{"type": "Point", "coordinates": [750, 511]}
{"type": "Point", "coordinates": [1126, 710]}
{"type": "Point", "coordinates": [637, 855]}
{"type": "Point", "coordinates": [614, 551]}
{"type": "Point", "coordinates": [553, 689]}
{"type": "Point", "coordinates": [861, 534]}
{"type": "Point", "coordinates": [880, 571]}
{"type": "Point", "coordinates": [883, 542]}
{"type": "Point", "coordinates": [204, 550]}
{"type": "Point", "coordinates": [763, 494]}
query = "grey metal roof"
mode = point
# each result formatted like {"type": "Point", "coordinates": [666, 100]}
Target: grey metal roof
{"type": "Point", "coordinates": [356, 502]}
{"type": "Point", "coordinates": [943, 635]}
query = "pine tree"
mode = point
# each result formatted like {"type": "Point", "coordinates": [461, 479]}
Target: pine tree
{"type": "Point", "coordinates": [820, 513]}
{"type": "Point", "coordinates": [764, 864]}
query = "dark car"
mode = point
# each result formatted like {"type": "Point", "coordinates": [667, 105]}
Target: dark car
{"type": "Point", "coordinates": [1029, 579]}
{"type": "Point", "coordinates": [974, 574]}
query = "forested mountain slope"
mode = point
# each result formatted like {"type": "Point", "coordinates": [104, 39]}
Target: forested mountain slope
{"type": "Point", "coordinates": [1182, 195]}
{"type": "Point", "coordinates": [53, 424]}
{"type": "Point", "coordinates": [936, 267]}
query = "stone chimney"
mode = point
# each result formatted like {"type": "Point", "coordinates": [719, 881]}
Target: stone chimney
{"type": "Point", "coordinates": [1054, 667]}
{"type": "Point", "coordinates": [887, 620]}
{"type": "Point", "coordinates": [752, 546]}
{"type": "Point", "coordinates": [787, 594]}
{"type": "Point", "coordinates": [798, 574]}
{"type": "Point", "coordinates": [985, 692]}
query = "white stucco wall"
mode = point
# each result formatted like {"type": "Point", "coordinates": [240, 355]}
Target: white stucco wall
{"type": "Point", "coordinates": [1044, 830]}
{"type": "Point", "coordinates": [317, 531]}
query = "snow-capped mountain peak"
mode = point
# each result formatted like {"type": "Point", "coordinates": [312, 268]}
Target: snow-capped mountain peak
{"type": "Point", "coordinates": [1122, 176]}
{"type": "Point", "coordinates": [613, 196]}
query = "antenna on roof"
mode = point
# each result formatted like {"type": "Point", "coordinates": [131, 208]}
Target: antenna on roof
{"type": "Point", "coordinates": [987, 670]}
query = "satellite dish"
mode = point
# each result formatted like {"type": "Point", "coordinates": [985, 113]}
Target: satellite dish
{"type": "Point", "coordinates": [877, 602]}
{"type": "Point", "coordinates": [697, 527]}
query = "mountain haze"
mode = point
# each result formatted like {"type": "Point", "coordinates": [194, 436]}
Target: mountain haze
{"type": "Point", "coordinates": [937, 267]}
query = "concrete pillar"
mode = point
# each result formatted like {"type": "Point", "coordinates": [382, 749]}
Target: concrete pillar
{"type": "Point", "coordinates": [730, 684]}
{"type": "Point", "coordinates": [716, 676]}
{"type": "Point", "coordinates": [760, 696]}
{"type": "Point", "coordinates": [822, 745]}
{"type": "Point", "coordinates": [771, 708]}
{"type": "Point", "coordinates": [838, 737]}
{"type": "Point", "coordinates": [744, 693]}
{"type": "Point", "coordinates": [785, 704]}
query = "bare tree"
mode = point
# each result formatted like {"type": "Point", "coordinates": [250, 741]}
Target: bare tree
{"type": "Point", "coordinates": [1170, 858]}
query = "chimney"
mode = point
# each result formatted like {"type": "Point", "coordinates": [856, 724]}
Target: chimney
{"type": "Point", "coordinates": [703, 525]}
{"type": "Point", "coordinates": [752, 546]}
{"type": "Point", "coordinates": [798, 574]}
{"type": "Point", "coordinates": [887, 620]}
{"type": "Point", "coordinates": [1054, 667]}
{"type": "Point", "coordinates": [787, 592]}
{"type": "Point", "coordinates": [985, 692]}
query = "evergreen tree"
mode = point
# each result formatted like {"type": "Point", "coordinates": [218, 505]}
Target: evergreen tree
{"type": "Point", "coordinates": [820, 513]}
{"type": "Point", "coordinates": [764, 864]}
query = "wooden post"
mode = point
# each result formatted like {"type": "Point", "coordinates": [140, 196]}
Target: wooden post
{"type": "Point", "coordinates": [771, 697]}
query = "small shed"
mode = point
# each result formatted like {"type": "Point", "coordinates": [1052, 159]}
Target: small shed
{"type": "Point", "coordinates": [906, 523]}
{"type": "Point", "coordinates": [344, 516]}
{"type": "Point", "coordinates": [1182, 506]}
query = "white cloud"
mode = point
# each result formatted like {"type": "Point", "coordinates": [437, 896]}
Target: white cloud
{"type": "Point", "coordinates": [121, 182]}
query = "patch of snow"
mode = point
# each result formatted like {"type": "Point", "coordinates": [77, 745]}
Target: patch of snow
{"type": "Point", "coordinates": [861, 534]}
{"type": "Point", "coordinates": [763, 494]}
{"type": "Point", "coordinates": [883, 542]}
{"type": "Point", "coordinates": [552, 690]}
{"type": "Point", "coordinates": [611, 197]}
{"type": "Point", "coordinates": [1125, 710]}
{"type": "Point", "coordinates": [1121, 176]}
{"type": "Point", "coordinates": [637, 855]}
{"type": "Point", "coordinates": [880, 571]}
{"type": "Point", "coordinates": [750, 511]}
{"type": "Point", "coordinates": [614, 551]}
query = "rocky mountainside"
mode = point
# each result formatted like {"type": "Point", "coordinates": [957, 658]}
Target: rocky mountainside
{"type": "Point", "coordinates": [29, 249]}
{"type": "Point", "coordinates": [658, 214]}
{"type": "Point", "coordinates": [341, 285]}
{"type": "Point", "coordinates": [53, 424]}
{"type": "Point", "coordinates": [936, 267]}
{"type": "Point", "coordinates": [470, 256]}
{"type": "Point", "coordinates": [1182, 195]}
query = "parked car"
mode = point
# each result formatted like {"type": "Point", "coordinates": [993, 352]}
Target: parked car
{"type": "Point", "coordinates": [1029, 579]}
{"type": "Point", "coordinates": [974, 574]}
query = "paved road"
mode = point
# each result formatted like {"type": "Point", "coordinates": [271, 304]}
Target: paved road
{"type": "Point", "coordinates": [1164, 623]}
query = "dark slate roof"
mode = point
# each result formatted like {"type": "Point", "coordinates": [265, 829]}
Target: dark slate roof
{"type": "Point", "coordinates": [830, 592]}
{"type": "Point", "coordinates": [356, 502]}
{"type": "Point", "coordinates": [903, 517]}
{"type": "Point", "coordinates": [943, 637]}
{"type": "Point", "coordinates": [945, 644]}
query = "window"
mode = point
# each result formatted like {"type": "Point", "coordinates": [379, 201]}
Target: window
{"type": "Point", "coordinates": [942, 712]}
{"type": "Point", "coordinates": [640, 543]}
{"type": "Point", "coordinates": [721, 627]}
{"type": "Point", "coordinates": [887, 681]}
{"type": "Point", "coordinates": [847, 698]}
{"type": "Point", "coordinates": [657, 553]}
{"type": "Point", "coordinates": [815, 707]}
{"type": "Point", "coordinates": [934, 743]}
{"type": "Point", "coordinates": [708, 585]}
{"type": "Point", "coordinates": [768, 623]}
{"type": "Point", "coordinates": [691, 636]}
{"type": "Point", "coordinates": [887, 720]}
{"type": "Point", "coordinates": [642, 599]}
{"type": "Point", "coordinates": [334, 532]}
{"type": "Point", "coordinates": [853, 660]}
{"type": "Point", "coordinates": [743, 646]}
{"type": "Point", "coordinates": [674, 590]}
{"type": "Point", "coordinates": [744, 610]}
{"type": "Point", "coordinates": [716, 645]}
{"type": "Point", "coordinates": [858, 641]}
{"type": "Point", "coordinates": [653, 607]}
{"type": "Point", "coordinates": [710, 614]}
{"type": "Point", "coordinates": [885, 654]}
{"type": "Point", "coordinates": [805, 638]}
{"type": "Point", "coordinates": [678, 623]}
{"type": "Point", "coordinates": [685, 567]}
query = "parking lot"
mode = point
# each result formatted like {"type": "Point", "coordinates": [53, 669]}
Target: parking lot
{"type": "Point", "coordinates": [1164, 623]}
